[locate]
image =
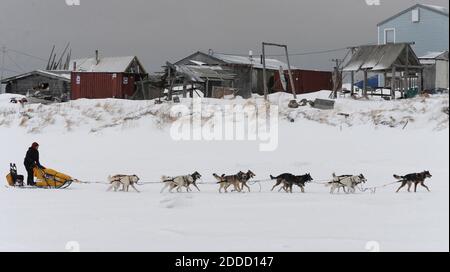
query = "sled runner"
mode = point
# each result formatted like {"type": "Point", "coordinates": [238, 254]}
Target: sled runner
{"type": "Point", "coordinates": [46, 179]}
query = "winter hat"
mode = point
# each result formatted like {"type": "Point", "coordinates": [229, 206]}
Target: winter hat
{"type": "Point", "coordinates": [34, 145]}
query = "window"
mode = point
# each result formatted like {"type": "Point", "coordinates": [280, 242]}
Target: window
{"type": "Point", "coordinates": [389, 35]}
{"type": "Point", "coordinates": [416, 16]}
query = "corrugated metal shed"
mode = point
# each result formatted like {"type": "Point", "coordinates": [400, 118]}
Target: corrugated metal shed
{"type": "Point", "coordinates": [381, 57]}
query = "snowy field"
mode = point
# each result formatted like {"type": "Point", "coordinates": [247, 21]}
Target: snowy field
{"type": "Point", "coordinates": [90, 140]}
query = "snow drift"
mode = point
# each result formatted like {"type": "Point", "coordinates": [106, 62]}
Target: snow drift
{"type": "Point", "coordinates": [91, 139]}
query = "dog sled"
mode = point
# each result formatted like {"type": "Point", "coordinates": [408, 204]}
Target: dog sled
{"type": "Point", "coordinates": [45, 179]}
{"type": "Point", "coordinates": [13, 179]}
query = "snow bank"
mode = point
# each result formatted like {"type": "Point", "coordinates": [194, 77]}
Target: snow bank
{"type": "Point", "coordinates": [96, 115]}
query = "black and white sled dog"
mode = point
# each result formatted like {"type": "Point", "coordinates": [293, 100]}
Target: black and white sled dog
{"type": "Point", "coordinates": [289, 180]}
{"type": "Point", "coordinates": [180, 182]}
{"type": "Point", "coordinates": [348, 182]}
{"type": "Point", "coordinates": [416, 179]}
{"type": "Point", "coordinates": [123, 180]}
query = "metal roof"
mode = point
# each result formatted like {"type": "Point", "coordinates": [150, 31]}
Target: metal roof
{"type": "Point", "coordinates": [381, 57]}
{"type": "Point", "coordinates": [203, 73]}
{"type": "Point", "coordinates": [224, 59]}
{"type": "Point", "coordinates": [435, 56]}
{"type": "Point", "coordinates": [61, 75]}
{"type": "Point", "coordinates": [105, 65]}
{"type": "Point", "coordinates": [271, 64]}
{"type": "Point", "coordinates": [437, 9]}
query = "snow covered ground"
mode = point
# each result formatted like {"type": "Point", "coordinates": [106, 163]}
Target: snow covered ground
{"type": "Point", "coordinates": [91, 139]}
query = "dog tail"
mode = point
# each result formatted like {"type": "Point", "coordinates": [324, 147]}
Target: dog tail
{"type": "Point", "coordinates": [166, 179]}
{"type": "Point", "coordinates": [272, 177]}
{"type": "Point", "coordinates": [398, 177]}
{"type": "Point", "coordinates": [110, 179]}
{"type": "Point", "coordinates": [219, 179]}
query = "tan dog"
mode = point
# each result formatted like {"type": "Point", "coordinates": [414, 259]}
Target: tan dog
{"type": "Point", "coordinates": [124, 180]}
{"type": "Point", "coordinates": [227, 181]}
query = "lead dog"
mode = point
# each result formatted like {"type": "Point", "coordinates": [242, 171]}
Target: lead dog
{"type": "Point", "coordinates": [416, 179]}
{"type": "Point", "coordinates": [180, 182]}
{"type": "Point", "coordinates": [124, 180]}
{"type": "Point", "coordinates": [289, 180]}
{"type": "Point", "coordinates": [346, 181]}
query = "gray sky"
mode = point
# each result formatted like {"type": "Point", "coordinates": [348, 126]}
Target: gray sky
{"type": "Point", "coordinates": [161, 30]}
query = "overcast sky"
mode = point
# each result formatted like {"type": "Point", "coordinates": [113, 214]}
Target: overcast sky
{"type": "Point", "coordinates": [167, 30]}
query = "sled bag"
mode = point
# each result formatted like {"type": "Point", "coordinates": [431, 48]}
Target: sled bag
{"type": "Point", "coordinates": [10, 180]}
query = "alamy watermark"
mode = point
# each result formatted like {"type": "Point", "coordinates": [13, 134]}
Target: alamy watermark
{"type": "Point", "coordinates": [73, 2]}
{"type": "Point", "coordinates": [373, 246]}
{"type": "Point", "coordinates": [205, 122]}
{"type": "Point", "coordinates": [73, 246]}
{"type": "Point", "coordinates": [373, 2]}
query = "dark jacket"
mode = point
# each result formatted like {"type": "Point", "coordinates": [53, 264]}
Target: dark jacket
{"type": "Point", "coordinates": [32, 159]}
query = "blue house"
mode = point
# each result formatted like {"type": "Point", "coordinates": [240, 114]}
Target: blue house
{"type": "Point", "coordinates": [425, 25]}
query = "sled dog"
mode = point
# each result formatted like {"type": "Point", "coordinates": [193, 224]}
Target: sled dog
{"type": "Point", "coordinates": [416, 179]}
{"type": "Point", "coordinates": [289, 180]}
{"type": "Point", "coordinates": [245, 178]}
{"type": "Point", "coordinates": [226, 181]}
{"type": "Point", "coordinates": [180, 182]}
{"type": "Point", "coordinates": [346, 181]}
{"type": "Point", "coordinates": [124, 180]}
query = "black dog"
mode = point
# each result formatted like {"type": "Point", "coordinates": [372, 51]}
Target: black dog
{"type": "Point", "coordinates": [289, 180]}
{"type": "Point", "coordinates": [416, 179]}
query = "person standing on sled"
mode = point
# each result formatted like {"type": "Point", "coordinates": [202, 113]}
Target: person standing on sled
{"type": "Point", "coordinates": [31, 161]}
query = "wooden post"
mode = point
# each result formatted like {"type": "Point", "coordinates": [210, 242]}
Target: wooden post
{"type": "Point", "coordinates": [290, 73]}
{"type": "Point", "coordinates": [191, 91]}
{"type": "Point", "coordinates": [365, 83]}
{"type": "Point", "coordinates": [184, 88]}
{"type": "Point", "coordinates": [393, 82]}
{"type": "Point", "coordinates": [169, 95]}
{"type": "Point", "coordinates": [144, 93]}
{"type": "Point", "coordinates": [406, 73]}
{"type": "Point", "coordinates": [264, 72]}
{"type": "Point", "coordinates": [419, 82]}
{"type": "Point", "coordinates": [352, 88]}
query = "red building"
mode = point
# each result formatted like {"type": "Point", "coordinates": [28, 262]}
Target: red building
{"type": "Point", "coordinates": [305, 81]}
{"type": "Point", "coordinates": [96, 78]}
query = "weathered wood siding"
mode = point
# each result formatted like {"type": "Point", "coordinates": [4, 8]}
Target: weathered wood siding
{"type": "Point", "coordinates": [24, 85]}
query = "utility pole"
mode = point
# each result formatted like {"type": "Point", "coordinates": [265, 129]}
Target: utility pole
{"type": "Point", "coordinates": [3, 51]}
{"type": "Point", "coordinates": [352, 88]}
